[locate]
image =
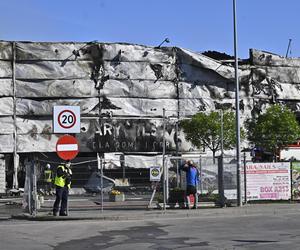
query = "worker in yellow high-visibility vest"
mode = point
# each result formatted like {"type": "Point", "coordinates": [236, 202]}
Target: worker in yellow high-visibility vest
{"type": "Point", "coordinates": [48, 179]}
{"type": "Point", "coordinates": [62, 183]}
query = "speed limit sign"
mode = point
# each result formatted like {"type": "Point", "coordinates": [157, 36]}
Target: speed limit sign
{"type": "Point", "coordinates": [66, 119]}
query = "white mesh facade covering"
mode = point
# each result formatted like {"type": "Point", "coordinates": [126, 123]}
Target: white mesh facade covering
{"type": "Point", "coordinates": [132, 84]}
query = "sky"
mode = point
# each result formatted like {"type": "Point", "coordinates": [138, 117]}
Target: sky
{"type": "Point", "coordinates": [198, 25]}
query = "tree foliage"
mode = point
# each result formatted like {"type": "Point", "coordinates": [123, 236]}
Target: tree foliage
{"type": "Point", "coordinates": [273, 129]}
{"type": "Point", "coordinates": [204, 130]}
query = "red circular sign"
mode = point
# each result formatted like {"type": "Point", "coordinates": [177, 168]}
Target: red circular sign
{"type": "Point", "coordinates": [66, 119]}
{"type": "Point", "coordinates": [67, 147]}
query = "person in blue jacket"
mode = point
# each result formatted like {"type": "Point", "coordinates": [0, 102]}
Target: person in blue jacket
{"type": "Point", "coordinates": [192, 180]}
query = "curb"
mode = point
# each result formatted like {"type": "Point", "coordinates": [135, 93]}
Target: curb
{"type": "Point", "coordinates": [204, 212]}
{"type": "Point", "coordinates": [66, 218]}
{"type": "Point", "coordinates": [159, 214]}
{"type": "Point", "coordinates": [100, 218]}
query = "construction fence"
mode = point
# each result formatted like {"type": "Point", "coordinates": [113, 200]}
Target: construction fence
{"type": "Point", "coordinates": [96, 179]}
{"type": "Point", "coordinates": [104, 183]}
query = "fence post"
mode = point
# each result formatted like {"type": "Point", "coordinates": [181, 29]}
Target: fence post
{"type": "Point", "coordinates": [221, 182]}
{"type": "Point", "coordinates": [27, 197]}
{"type": "Point", "coordinates": [100, 167]}
{"type": "Point", "coordinates": [34, 188]}
{"type": "Point", "coordinates": [291, 176]}
{"type": "Point", "coordinates": [200, 170]}
{"type": "Point", "coordinates": [245, 179]}
{"type": "Point", "coordinates": [122, 163]}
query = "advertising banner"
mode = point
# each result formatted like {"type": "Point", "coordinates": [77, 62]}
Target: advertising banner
{"type": "Point", "coordinates": [295, 180]}
{"type": "Point", "coordinates": [268, 181]}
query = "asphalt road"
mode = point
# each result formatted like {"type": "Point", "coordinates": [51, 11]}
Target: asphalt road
{"type": "Point", "coordinates": [231, 231]}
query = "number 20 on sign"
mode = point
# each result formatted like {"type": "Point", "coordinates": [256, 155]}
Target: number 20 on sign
{"type": "Point", "coordinates": [66, 119]}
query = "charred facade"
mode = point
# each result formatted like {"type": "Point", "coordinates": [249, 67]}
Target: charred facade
{"type": "Point", "coordinates": [122, 90]}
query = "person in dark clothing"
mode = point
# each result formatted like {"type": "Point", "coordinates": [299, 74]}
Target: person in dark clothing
{"type": "Point", "coordinates": [62, 183]}
{"type": "Point", "coordinates": [192, 180]}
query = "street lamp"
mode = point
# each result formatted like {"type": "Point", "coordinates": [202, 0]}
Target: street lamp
{"type": "Point", "coordinates": [167, 40]}
{"type": "Point", "coordinates": [165, 170]}
{"type": "Point", "coordinates": [237, 111]}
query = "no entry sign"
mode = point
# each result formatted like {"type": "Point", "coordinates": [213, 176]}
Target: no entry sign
{"type": "Point", "coordinates": [67, 147]}
{"type": "Point", "coordinates": [66, 119]}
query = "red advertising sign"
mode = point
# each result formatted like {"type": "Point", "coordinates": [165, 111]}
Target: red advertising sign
{"type": "Point", "coordinates": [67, 147]}
{"type": "Point", "coordinates": [268, 181]}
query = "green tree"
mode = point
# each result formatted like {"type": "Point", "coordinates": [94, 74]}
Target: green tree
{"type": "Point", "coordinates": [204, 130]}
{"type": "Point", "coordinates": [274, 129]}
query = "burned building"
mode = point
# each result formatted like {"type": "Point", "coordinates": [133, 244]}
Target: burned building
{"type": "Point", "coordinates": [122, 90]}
